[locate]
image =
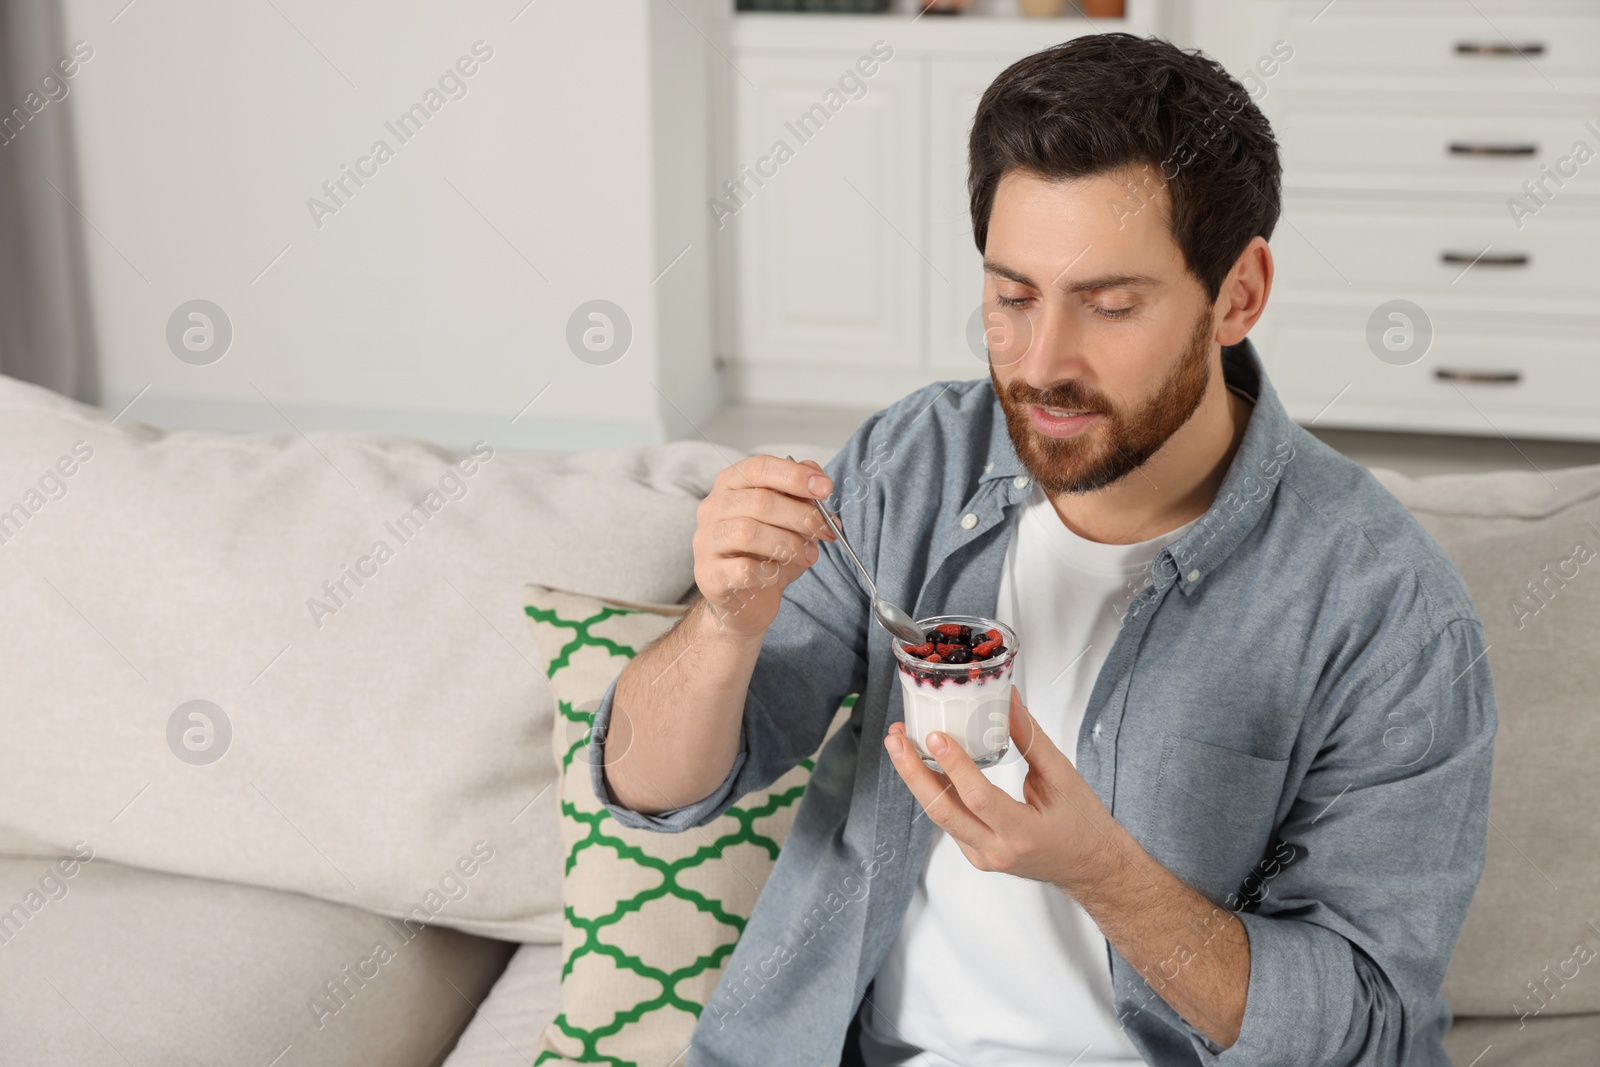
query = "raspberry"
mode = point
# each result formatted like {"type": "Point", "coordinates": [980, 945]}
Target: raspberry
{"type": "Point", "coordinates": [945, 650]}
{"type": "Point", "coordinates": [985, 650]}
{"type": "Point", "coordinates": [935, 658]}
{"type": "Point", "coordinates": [920, 651]}
{"type": "Point", "coordinates": [974, 672]}
{"type": "Point", "coordinates": [951, 629]}
{"type": "Point", "coordinates": [994, 635]}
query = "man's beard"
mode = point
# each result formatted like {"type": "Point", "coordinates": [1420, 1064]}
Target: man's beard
{"type": "Point", "coordinates": [1118, 442]}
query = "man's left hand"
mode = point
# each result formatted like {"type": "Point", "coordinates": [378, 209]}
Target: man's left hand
{"type": "Point", "coordinates": [1059, 833]}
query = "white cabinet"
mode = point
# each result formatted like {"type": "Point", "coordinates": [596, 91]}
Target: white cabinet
{"type": "Point", "coordinates": [1440, 255]}
{"type": "Point", "coordinates": [854, 255]}
{"type": "Point", "coordinates": [829, 267]}
{"type": "Point", "coordinates": [955, 279]}
{"type": "Point", "coordinates": [1482, 375]}
{"type": "Point", "coordinates": [1442, 154]}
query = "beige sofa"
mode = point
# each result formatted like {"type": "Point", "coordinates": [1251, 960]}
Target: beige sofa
{"type": "Point", "coordinates": [350, 855]}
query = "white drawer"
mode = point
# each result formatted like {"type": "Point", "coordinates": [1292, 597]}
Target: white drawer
{"type": "Point", "coordinates": [1481, 376]}
{"type": "Point", "coordinates": [1417, 149]}
{"type": "Point", "coordinates": [1482, 46]}
{"type": "Point", "coordinates": [1426, 251]}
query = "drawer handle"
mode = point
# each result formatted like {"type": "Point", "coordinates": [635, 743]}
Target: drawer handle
{"type": "Point", "coordinates": [1510, 259]}
{"type": "Point", "coordinates": [1489, 377]}
{"type": "Point", "coordinates": [1467, 148]}
{"type": "Point", "coordinates": [1499, 48]}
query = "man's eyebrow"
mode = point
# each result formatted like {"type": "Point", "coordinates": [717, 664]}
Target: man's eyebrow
{"type": "Point", "coordinates": [1109, 281]}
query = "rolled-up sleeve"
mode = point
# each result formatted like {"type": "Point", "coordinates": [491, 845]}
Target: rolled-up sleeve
{"type": "Point", "coordinates": [1350, 943]}
{"type": "Point", "coordinates": [673, 820]}
{"type": "Point", "coordinates": [812, 657]}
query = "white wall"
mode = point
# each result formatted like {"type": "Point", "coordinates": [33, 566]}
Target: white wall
{"type": "Point", "coordinates": [205, 127]}
{"type": "Point", "coordinates": [684, 70]}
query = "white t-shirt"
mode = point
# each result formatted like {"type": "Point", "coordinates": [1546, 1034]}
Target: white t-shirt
{"type": "Point", "coordinates": [992, 968]}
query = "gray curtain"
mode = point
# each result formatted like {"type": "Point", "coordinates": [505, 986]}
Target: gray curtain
{"type": "Point", "coordinates": [45, 332]}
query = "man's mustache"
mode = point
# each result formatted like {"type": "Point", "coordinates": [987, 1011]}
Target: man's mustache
{"type": "Point", "coordinates": [1063, 400]}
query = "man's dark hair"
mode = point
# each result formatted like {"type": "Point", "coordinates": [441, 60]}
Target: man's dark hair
{"type": "Point", "coordinates": [1105, 101]}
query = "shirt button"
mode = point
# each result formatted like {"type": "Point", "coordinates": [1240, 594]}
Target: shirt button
{"type": "Point", "coordinates": [1020, 481]}
{"type": "Point", "coordinates": [989, 467]}
{"type": "Point", "coordinates": [968, 521]}
{"type": "Point", "coordinates": [1194, 576]}
{"type": "Point", "coordinates": [1097, 730]}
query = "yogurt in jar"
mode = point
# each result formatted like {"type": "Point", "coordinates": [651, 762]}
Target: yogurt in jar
{"type": "Point", "coordinates": [969, 700]}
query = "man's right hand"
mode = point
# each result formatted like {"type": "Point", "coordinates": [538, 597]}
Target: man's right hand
{"type": "Point", "coordinates": [756, 532]}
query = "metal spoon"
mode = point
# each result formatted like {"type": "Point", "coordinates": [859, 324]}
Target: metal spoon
{"type": "Point", "coordinates": [890, 616]}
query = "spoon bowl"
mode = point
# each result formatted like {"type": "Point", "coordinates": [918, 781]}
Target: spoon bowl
{"type": "Point", "coordinates": [897, 622]}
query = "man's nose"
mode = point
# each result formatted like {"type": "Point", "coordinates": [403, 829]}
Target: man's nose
{"type": "Point", "coordinates": [1054, 351]}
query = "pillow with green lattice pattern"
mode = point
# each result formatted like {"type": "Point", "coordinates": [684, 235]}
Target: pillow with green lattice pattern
{"type": "Point", "coordinates": [651, 918]}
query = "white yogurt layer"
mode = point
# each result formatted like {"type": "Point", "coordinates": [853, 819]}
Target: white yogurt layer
{"type": "Point", "coordinates": [976, 713]}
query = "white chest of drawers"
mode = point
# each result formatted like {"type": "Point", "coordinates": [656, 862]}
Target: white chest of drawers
{"type": "Point", "coordinates": [1445, 154]}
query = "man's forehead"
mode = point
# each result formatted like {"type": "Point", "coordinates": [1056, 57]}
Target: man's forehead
{"type": "Point", "coordinates": [1080, 234]}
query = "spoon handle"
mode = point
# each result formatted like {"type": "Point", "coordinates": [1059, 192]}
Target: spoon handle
{"type": "Point", "coordinates": [838, 530]}
{"type": "Point", "coordinates": [845, 541]}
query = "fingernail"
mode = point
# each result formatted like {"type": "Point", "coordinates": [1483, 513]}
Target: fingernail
{"type": "Point", "coordinates": [936, 743]}
{"type": "Point", "coordinates": [819, 485]}
{"type": "Point", "coordinates": [897, 747]}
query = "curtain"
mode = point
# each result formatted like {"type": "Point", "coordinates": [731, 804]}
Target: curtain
{"type": "Point", "coordinates": [45, 331]}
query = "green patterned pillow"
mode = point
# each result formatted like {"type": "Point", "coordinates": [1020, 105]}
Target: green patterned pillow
{"type": "Point", "coordinates": [651, 918]}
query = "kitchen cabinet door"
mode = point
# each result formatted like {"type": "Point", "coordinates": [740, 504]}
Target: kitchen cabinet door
{"type": "Point", "coordinates": [829, 244]}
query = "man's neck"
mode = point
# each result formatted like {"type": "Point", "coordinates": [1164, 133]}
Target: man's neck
{"type": "Point", "coordinates": [1175, 486]}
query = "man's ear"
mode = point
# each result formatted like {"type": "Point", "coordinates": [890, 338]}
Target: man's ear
{"type": "Point", "coordinates": [1243, 296]}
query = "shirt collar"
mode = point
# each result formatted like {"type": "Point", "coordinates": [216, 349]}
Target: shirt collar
{"type": "Point", "coordinates": [1269, 444]}
{"type": "Point", "coordinates": [1002, 460]}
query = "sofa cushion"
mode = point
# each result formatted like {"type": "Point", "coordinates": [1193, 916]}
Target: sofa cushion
{"type": "Point", "coordinates": [1528, 545]}
{"type": "Point", "coordinates": [651, 917]}
{"type": "Point", "coordinates": [505, 1030]}
{"type": "Point", "coordinates": [1552, 1041]}
{"type": "Point", "coordinates": [106, 964]}
{"type": "Point", "coordinates": [347, 601]}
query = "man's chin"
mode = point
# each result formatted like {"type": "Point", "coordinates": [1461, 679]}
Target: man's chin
{"type": "Point", "coordinates": [1062, 474]}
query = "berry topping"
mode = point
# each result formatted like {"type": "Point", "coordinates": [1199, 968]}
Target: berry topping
{"type": "Point", "coordinates": [957, 644]}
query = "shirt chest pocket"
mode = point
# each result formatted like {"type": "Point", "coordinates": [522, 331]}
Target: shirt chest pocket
{"type": "Point", "coordinates": [1212, 813]}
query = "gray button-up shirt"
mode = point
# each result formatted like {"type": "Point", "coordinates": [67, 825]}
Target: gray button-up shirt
{"type": "Point", "coordinates": [1296, 718]}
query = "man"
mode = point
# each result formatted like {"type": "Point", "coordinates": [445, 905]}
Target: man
{"type": "Point", "coordinates": [1253, 722]}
